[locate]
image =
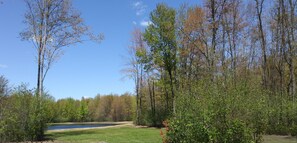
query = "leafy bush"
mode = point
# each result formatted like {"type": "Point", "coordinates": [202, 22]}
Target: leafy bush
{"type": "Point", "coordinates": [293, 130]}
{"type": "Point", "coordinates": [186, 130]}
{"type": "Point", "coordinates": [238, 132]}
{"type": "Point", "coordinates": [190, 130]}
{"type": "Point", "coordinates": [24, 116]}
{"type": "Point", "coordinates": [219, 115]}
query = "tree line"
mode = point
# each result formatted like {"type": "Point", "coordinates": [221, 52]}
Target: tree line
{"type": "Point", "coordinates": [100, 108]}
{"type": "Point", "coordinates": [220, 72]}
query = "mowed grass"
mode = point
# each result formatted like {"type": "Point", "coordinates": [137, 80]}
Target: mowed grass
{"type": "Point", "coordinates": [279, 139]}
{"type": "Point", "coordinates": [132, 135]}
{"type": "Point", "coordinates": [109, 135]}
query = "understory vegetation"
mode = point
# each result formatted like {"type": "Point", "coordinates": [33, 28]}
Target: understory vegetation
{"type": "Point", "coordinates": [23, 115]}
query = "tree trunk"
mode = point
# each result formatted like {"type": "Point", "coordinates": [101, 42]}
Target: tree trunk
{"type": "Point", "coordinates": [292, 51]}
{"type": "Point", "coordinates": [172, 91]}
{"type": "Point", "coordinates": [213, 40]}
{"type": "Point", "coordinates": [259, 7]}
{"type": "Point", "coordinates": [151, 93]}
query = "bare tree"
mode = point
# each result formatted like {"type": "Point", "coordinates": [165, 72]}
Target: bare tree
{"type": "Point", "coordinates": [259, 10]}
{"type": "Point", "coordinates": [291, 30]}
{"type": "Point", "coordinates": [135, 68]}
{"type": "Point", "coordinates": [52, 25]}
{"type": "Point", "coordinates": [3, 86]}
{"type": "Point", "coordinates": [4, 91]}
{"type": "Point", "coordinates": [214, 14]}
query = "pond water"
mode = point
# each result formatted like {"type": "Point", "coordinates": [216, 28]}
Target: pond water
{"type": "Point", "coordinates": [75, 126]}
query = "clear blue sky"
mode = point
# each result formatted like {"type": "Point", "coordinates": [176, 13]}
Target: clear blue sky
{"type": "Point", "coordinates": [85, 69]}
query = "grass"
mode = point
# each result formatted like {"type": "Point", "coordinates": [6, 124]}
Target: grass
{"type": "Point", "coordinates": [131, 134]}
{"type": "Point", "coordinates": [279, 139]}
{"type": "Point", "coordinates": [109, 135]}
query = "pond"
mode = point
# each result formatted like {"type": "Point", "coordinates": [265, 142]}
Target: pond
{"type": "Point", "coordinates": [76, 126]}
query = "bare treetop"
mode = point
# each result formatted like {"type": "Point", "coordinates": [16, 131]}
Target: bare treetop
{"type": "Point", "coordinates": [51, 25]}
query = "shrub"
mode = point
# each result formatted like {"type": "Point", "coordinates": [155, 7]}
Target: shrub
{"type": "Point", "coordinates": [293, 130]}
{"type": "Point", "coordinates": [186, 130]}
{"type": "Point", "coordinates": [24, 117]}
{"type": "Point", "coordinates": [238, 132]}
{"type": "Point", "coordinates": [218, 115]}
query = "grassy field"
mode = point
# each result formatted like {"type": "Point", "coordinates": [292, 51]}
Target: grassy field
{"type": "Point", "coordinates": [131, 135]}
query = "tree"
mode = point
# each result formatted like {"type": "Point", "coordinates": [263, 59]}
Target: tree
{"type": "Point", "coordinates": [83, 110]}
{"type": "Point", "coordinates": [135, 68]}
{"type": "Point", "coordinates": [160, 36]}
{"type": "Point", "coordinates": [3, 87]}
{"type": "Point", "coordinates": [52, 25]}
{"type": "Point", "coordinates": [105, 107]}
{"type": "Point", "coordinates": [262, 37]}
{"type": "Point", "coordinates": [128, 106]}
{"type": "Point", "coordinates": [68, 110]}
{"type": "Point", "coordinates": [193, 54]}
{"type": "Point", "coordinates": [3, 93]}
{"type": "Point", "coordinates": [93, 107]}
{"type": "Point", "coordinates": [214, 13]}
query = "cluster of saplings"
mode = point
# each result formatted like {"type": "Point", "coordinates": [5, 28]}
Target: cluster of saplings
{"type": "Point", "coordinates": [222, 72]}
{"type": "Point", "coordinates": [24, 115]}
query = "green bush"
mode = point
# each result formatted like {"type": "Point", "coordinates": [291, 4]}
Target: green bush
{"type": "Point", "coordinates": [24, 116]}
{"type": "Point", "coordinates": [293, 130]}
{"type": "Point", "coordinates": [186, 130]}
{"type": "Point", "coordinates": [219, 115]}
{"type": "Point", "coordinates": [191, 130]}
{"type": "Point", "coordinates": [238, 132]}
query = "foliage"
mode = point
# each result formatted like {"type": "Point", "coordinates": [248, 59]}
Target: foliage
{"type": "Point", "coordinates": [160, 36]}
{"type": "Point", "coordinates": [24, 116]}
{"type": "Point", "coordinates": [230, 74]}
{"type": "Point", "coordinates": [100, 108]}
{"type": "Point", "coordinates": [206, 118]}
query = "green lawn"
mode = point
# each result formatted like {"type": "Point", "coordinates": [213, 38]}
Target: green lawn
{"type": "Point", "coordinates": [132, 135]}
{"type": "Point", "coordinates": [109, 135]}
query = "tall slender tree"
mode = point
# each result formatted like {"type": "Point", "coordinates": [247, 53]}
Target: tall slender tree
{"type": "Point", "coordinates": [161, 38]}
{"type": "Point", "coordinates": [52, 25]}
{"type": "Point", "coordinates": [262, 37]}
{"type": "Point", "coordinates": [135, 68]}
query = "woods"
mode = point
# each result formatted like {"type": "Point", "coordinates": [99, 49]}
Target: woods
{"type": "Point", "coordinates": [224, 71]}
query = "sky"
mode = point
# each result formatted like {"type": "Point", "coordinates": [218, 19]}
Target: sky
{"type": "Point", "coordinates": [86, 69]}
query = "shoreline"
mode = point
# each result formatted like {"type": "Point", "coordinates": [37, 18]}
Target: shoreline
{"type": "Point", "coordinates": [117, 124]}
